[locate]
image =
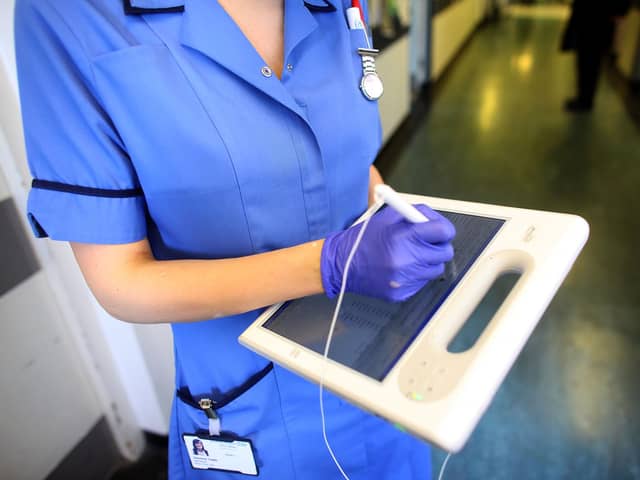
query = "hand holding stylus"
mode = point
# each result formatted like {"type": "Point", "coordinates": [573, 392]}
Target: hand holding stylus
{"type": "Point", "coordinates": [396, 258]}
{"type": "Point", "coordinates": [386, 194]}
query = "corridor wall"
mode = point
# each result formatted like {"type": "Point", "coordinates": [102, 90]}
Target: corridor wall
{"type": "Point", "coordinates": [451, 27]}
{"type": "Point", "coordinates": [393, 67]}
{"type": "Point", "coordinates": [628, 45]}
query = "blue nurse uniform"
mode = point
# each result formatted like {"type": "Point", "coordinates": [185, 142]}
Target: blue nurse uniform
{"type": "Point", "coordinates": [158, 119]}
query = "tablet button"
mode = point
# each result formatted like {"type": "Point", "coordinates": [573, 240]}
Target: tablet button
{"type": "Point", "coordinates": [529, 234]}
{"type": "Point", "coordinates": [415, 396]}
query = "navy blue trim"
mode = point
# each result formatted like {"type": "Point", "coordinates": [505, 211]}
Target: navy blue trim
{"type": "Point", "coordinates": [220, 400]}
{"type": "Point", "coordinates": [89, 191]}
{"type": "Point", "coordinates": [131, 10]}
{"type": "Point", "coordinates": [327, 7]}
{"type": "Point", "coordinates": [38, 230]}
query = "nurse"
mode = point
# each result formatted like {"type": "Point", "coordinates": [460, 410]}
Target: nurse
{"type": "Point", "coordinates": [204, 159]}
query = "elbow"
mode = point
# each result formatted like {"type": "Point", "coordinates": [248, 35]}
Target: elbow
{"type": "Point", "coordinates": [122, 305]}
{"type": "Point", "coordinates": [122, 312]}
{"type": "Point", "coordinates": [125, 315]}
{"type": "Point", "coordinates": [118, 276]}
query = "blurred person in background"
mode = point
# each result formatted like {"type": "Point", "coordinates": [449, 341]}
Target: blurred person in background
{"type": "Point", "coordinates": [590, 34]}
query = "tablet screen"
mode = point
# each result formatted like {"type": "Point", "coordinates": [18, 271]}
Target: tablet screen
{"type": "Point", "coordinates": [370, 334]}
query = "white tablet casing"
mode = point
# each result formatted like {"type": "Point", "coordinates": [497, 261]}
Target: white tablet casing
{"type": "Point", "coordinates": [430, 392]}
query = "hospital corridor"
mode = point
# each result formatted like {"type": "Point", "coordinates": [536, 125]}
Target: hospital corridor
{"type": "Point", "coordinates": [497, 112]}
{"type": "Point", "coordinates": [496, 133]}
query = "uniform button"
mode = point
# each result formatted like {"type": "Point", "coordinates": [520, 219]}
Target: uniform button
{"type": "Point", "coordinates": [289, 67]}
{"type": "Point", "coordinates": [266, 71]}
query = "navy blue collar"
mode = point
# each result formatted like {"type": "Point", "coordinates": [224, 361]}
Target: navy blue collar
{"type": "Point", "coordinates": [319, 5]}
{"type": "Point", "coordinates": [139, 7]}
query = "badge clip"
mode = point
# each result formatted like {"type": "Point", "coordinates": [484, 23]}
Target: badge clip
{"type": "Point", "coordinates": [206, 404]}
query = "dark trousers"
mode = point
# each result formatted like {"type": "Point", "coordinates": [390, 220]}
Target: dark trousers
{"type": "Point", "coordinates": [588, 62]}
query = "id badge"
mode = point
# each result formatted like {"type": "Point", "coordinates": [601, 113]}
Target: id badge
{"type": "Point", "coordinates": [220, 453]}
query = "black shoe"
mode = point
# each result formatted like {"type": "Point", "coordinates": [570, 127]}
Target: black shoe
{"type": "Point", "coordinates": [576, 105]}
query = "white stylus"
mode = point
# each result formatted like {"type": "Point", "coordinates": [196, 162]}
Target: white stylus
{"type": "Point", "coordinates": [389, 196]}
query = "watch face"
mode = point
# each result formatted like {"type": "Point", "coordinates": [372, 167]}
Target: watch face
{"type": "Point", "coordinates": [371, 86]}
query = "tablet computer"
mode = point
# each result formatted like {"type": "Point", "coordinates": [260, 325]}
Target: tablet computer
{"type": "Point", "coordinates": [399, 360]}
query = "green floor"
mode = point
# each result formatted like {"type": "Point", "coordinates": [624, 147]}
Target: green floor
{"type": "Point", "coordinates": [495, 132]}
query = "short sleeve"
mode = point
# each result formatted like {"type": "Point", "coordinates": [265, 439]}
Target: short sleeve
{"type": "Point", "coordinates": [85, 188]}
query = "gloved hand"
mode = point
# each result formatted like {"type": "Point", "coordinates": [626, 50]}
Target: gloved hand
{"type": "Point", "coordinates": [395, 258]}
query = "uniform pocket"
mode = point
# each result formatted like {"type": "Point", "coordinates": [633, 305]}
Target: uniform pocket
{"type": "Point", "coordinates": [248, 393]}
{"type": "Point", "coordinates": [253, 415]}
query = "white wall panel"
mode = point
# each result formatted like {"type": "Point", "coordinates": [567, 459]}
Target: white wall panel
{"type": "Point", "coordinates": [11, 127]}
{"type": "Point", "coordinates": [628, 45]}
{"type": "Point", "coordinates": [450, 29]}
{"type": "Point", "coordinates": [393, 67]}
{"type": "Point", "coordinates": [47, 405]}
{"type": "Point", "coordinates": [7, 57]}
{"type": "Point", "coordinates": [4, 152]}
{"type": "Point", "coordinates": [419, 35]}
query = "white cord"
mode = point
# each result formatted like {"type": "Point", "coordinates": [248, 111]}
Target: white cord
{"type": "Point", "coordinates": [336, 312]}
{"type": "Point", "coordinates": [327, 345]}
{"type": "Point", "coordinates": [444, 464]}
{"type": "Point", "coordinates": [366, 36]}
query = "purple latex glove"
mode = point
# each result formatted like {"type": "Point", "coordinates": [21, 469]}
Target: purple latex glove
{"type": "Point", "coordinates": [395, 258]}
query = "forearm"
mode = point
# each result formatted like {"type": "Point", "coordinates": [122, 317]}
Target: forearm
{"type": "Point", "coordinates": [135, 287]}
{"type": "Point", "coordinates": [145, 290]}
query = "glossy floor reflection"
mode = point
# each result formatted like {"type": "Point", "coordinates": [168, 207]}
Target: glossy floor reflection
{"type": "Point", "coordinates": [496, 133]}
